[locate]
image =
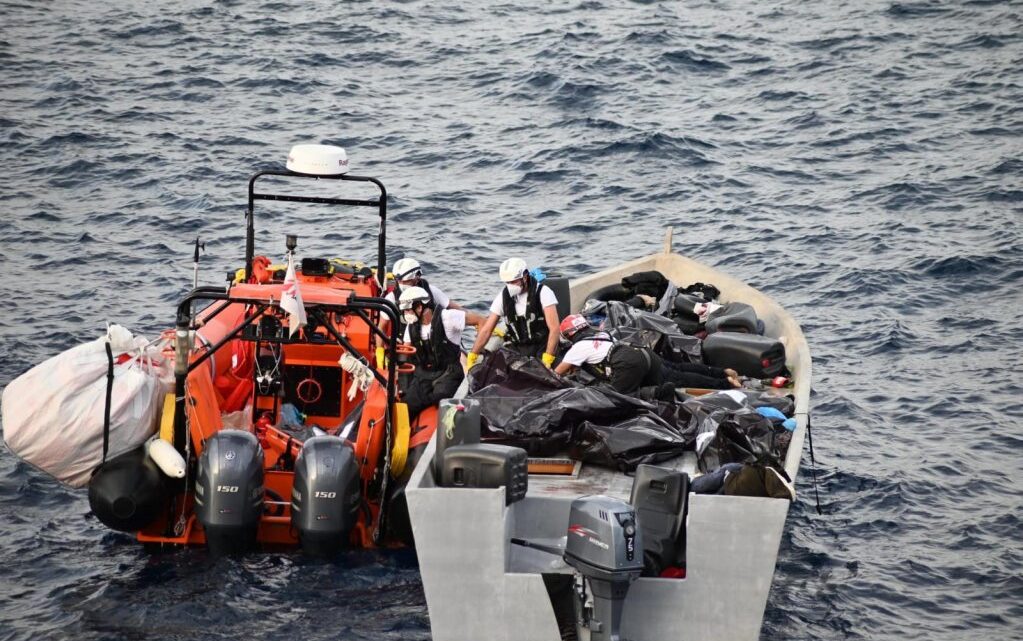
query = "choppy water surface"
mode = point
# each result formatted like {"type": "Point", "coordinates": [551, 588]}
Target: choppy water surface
{"type": "Point", "coordinates": [860, 162]}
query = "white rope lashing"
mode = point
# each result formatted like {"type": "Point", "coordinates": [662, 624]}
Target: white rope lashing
{"type": "Point", "coordinates": [362, 375]}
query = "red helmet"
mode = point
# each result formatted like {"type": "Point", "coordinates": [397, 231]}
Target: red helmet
{"type": "Point", "coordinates": [572, 324]}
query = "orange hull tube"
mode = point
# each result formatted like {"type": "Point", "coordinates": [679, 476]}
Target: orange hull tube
{"type": "Point", "coordinates": [226, 386]}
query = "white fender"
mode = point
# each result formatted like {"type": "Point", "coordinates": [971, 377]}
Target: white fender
{"type": "Point", "coordinates": [166, 458]}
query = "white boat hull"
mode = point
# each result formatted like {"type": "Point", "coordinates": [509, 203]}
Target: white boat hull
{"type": "Point", "coordinates": [479, 586]}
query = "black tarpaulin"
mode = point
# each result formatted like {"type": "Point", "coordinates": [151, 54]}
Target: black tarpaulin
{"type": "Point", "coordinates": [647, 329]}
{"type": "Point", "coordinates": [646, 438]}
{"type": "Point", "coordinates": [515, 372]}
{"type": "Point", "coordinates": [523, 403]}
{"type": "Point", "coordinates": [729, 430]}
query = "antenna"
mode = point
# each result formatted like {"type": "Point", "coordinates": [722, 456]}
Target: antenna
{"type": "Point", "coordinates": [195, 261]}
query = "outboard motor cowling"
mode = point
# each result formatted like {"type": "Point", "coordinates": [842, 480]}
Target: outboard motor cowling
{"type": "Point", "coordinates": [732, 317]}
{"type": "Point", "coordinates": [605, 547]}
{"type": "Point", "coordinates": [461, 421]}
{"type": "Point", "coordinates": [661, 498]}
{"type": "Point", "coordinates": [749, 354]}
{"type": "Point", "coordinates": [560, 286]}
{"type": "Point", "coordinates": [229, 491]}
{"type": "Point", "coordinates": [325, 496]}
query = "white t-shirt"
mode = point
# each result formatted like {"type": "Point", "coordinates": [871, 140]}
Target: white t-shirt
{"type": "Point", "coordinates": [453, 321]}
{"type": "Point", "coordinates": [588, 350]}
{"type": "Point", "coordinates": [547, 298]}
{"type": "Point", "coordinates": [439, 297]}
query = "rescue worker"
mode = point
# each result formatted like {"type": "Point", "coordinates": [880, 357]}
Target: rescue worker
{"type": "Point", "coordinates": [628, 368]}
{"type": "Point", "coordinates": [530, 312]}
{"type": "Point", "coordinates": [436, 333]}
{"type": "Point", "coordinates": [407, 273]}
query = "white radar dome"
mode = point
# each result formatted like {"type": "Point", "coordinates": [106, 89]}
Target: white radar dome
{"type": "Point", "coordinates": [318, 160]}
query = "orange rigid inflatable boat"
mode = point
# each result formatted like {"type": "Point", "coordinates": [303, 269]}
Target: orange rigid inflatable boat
{"type": "Point", "coordinates": [276, 344]}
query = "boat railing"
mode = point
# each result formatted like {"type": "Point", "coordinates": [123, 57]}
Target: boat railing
{"type": "Point", "coordinates": [379, 203]}
{"type": "Point", "coordinates": [359, 305]}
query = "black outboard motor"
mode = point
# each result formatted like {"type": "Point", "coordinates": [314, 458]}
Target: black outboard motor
{"type": "Point", "coordinates": [463, 418]}
{"type": "Point", "coordinates": [733, 317]}
{"type": "Point", "coordinates": [661, 498]}
{"type": "Point", "coordinates": [605, 548]}
{"type": "Point", "coordinates": [325, 496]}
{"type": "Point", "coordinates": [127, 492]}
{"type": "Point", "coordinates": [749, 354]}
{"type": "Point", "coordinates": [559, 285]}
{"type": "Point", "coordinates": [229, 491]}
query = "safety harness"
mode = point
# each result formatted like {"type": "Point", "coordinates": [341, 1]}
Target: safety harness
{"type": "Point", "coordinates": [602, 370]}
{"type": "Point", "coordinates": [530, 329]}
{"type": "Point", "coordinates": [438, 352]}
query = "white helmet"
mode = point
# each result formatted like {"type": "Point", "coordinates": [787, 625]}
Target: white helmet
{"type": "Point", "coordinates": [406, 269]}
{"type": "Point", "coordinates": [513, 269]}
{"type": "Point", "coordinates": [411, 296]}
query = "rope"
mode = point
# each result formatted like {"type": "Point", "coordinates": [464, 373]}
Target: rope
{"type": "Point", "coordinates": [264, 378]}
{"type": "Point", "coordinates": [106, 407]}
{"type": "Point", "coordinates": [179, 525]}
{"type": "Point", "coordinates": [362, 376]}
{"type": "Point", "coordinates": [448, 422]}
{"type": "Point", "coordinates": [813, 464]}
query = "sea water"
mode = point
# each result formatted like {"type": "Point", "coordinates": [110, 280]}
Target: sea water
{"type": "Point", "coordinates": [858, 162]}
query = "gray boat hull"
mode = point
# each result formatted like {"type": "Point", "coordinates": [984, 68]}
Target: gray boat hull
{"type": "Point", "coordinates": [479, 586]}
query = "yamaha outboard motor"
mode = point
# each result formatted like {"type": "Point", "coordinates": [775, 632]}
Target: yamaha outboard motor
{"type": "Point", "coordinates": [325, 496]}
{"type": "Point", "coordinates": [605, 548]}
{"type": "Point", "coordinates": [229, 491]}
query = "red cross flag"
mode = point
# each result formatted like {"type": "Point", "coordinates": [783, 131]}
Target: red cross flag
{"type": "Point", "coordinates": [291, 299]}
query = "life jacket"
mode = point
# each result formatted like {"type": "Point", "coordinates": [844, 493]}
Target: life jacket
{"type": "Point", "coordinates": [438, 352]}
{"type": "Point", "coordinates": [601, 370]}
{"type": "Point", "coordinates": [396, 290]}
{"type": "Point", "coordinates": [530, 329]}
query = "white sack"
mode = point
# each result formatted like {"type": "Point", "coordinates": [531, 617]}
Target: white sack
{"type": "Point", "coordinates": [53, 413]}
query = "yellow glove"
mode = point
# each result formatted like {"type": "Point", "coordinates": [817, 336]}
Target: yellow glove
{"type": "Point", "coordinates": [381, 360]}
{"type": "Point", "coordinates": [471, 359]}
{"type": "Point", "coordinates": [548, 359]}
{"type": "Point", "coordinates": [498, 332]}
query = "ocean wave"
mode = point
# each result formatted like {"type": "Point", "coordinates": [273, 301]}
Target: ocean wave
{"type": "Point", "coordinates": [858, 163]}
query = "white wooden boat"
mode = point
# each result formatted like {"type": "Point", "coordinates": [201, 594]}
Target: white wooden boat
{"type": "Point", "coordinates": [479, 585]}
